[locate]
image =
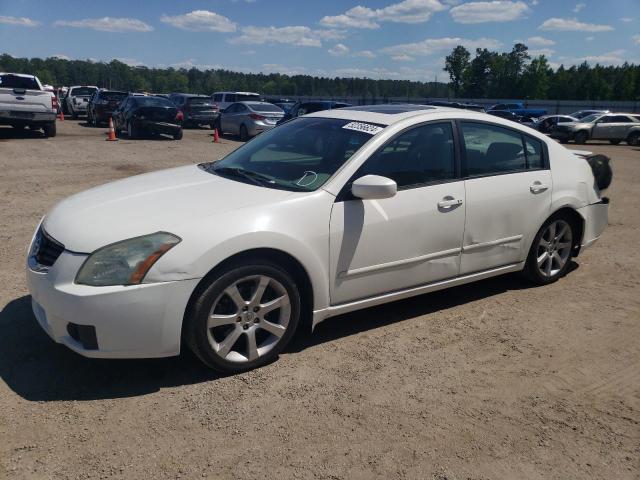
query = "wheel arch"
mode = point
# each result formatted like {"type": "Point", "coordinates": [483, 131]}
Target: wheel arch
{"type": "Point", "coordinates": [281, 258]}
{"type": "Point", "coordinates": [577, 222]}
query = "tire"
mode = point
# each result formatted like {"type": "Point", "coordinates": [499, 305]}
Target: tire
{"type": "Point", "coordinates": [554, 241]}
{"type": "Point", "coordinates": [241, 319]}
{"type": "Point", "coordinates": [614, 142]}
{"type": "Point", "coordinates": [74, 114]}
{"type": "Point", "coordinates": [244, 133]}
{"type": "Point", "coordinates": [178, 135]}
{"type": "Point", "coordinates": [581, 138]}
{"type": "Point", "coordinates": [49, 130]}
{"type": "Point", "coordinates": [131, 131]}
{"type": "Point", "coordinates": [634, 139]}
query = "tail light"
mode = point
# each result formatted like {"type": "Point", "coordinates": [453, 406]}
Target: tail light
{"type": "Point", "coordinates": [179, 116]}
{"type": "Point", "coordinates": [255, 116]}
{"type": "Point", "coordinates": [54, 102]}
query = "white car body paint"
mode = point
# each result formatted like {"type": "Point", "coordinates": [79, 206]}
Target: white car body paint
{"type": "Point", "coordinates": [356, 254]}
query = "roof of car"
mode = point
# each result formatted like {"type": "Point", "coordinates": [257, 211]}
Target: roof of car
{"type": "Point", "coordinates": [239, 93]}
{"type": "Point", "coordinates": [23, 75]}
{"type": "Point", "coordinates": [385, 114]}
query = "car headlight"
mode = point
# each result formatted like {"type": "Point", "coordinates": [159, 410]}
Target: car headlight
{"type": "Point", "coordinates": [126, 262]}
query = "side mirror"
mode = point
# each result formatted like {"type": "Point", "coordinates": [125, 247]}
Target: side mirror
{"type": "Point", "coordinates": [372, 187]}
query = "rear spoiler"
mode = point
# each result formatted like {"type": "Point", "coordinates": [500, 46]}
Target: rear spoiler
{"type": "Point", "coordinates": [581, 153]}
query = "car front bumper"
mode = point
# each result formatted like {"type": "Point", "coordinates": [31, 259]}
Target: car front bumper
{"type": "Point", "coordinates": [561, 134]}
{"type": "Point", "coordinates": [138, 321]}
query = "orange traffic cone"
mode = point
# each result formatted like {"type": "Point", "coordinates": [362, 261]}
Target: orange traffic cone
{"type": "Point", "coordinates": [216, 136]}
{"type": "Point", "coordinates": [61, 116]}
{"type": "Point", "coordinates": [112, 131]}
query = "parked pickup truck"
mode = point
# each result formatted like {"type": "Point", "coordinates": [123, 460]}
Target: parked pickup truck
{"type": "Point", "coordinates": [24, 103]}
{"type": "Point", "coordinates": [518, 109]}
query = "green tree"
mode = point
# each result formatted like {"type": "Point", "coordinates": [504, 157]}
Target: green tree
{"type": "Point", "coordinates": [455, 64]}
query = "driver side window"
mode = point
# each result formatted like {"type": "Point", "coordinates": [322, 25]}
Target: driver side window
{"type": "Point", "coordinates": [419, 156]}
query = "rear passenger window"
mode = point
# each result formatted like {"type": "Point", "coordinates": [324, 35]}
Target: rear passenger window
{"type": "Point", "coordinates": [533, 152]}
{"type": "Point", "coordinates": [421, 155]}
{"type": "Point", "coordinates": [491, 149]}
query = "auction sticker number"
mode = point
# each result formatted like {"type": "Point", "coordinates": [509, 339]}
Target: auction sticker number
{"type": "Point", "coordinates": [363, 127]}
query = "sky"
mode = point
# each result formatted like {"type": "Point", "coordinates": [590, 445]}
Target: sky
{"type": "Point", "coordinates": [395, 39]}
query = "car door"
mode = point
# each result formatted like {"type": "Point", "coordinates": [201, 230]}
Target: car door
{"type": "Point", "coordinates": [118, 113]}
{"type": "Point", "coordinates": [411, 239]}
{"type": "Point", "coordinates": [619, 126]}
{"type": "Point", "coordinates": [601, 129]}
{"type": "Point", "coordinates": [226, 121]}
{"type": "Point", "coordinates": [508, 189]}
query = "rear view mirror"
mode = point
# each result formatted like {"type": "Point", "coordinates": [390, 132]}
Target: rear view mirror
{"type": "Point", "coordinates": [372, 187]}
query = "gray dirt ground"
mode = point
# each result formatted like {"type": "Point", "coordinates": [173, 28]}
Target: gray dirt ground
{"type": "Point", "coordinates": [495, 380]}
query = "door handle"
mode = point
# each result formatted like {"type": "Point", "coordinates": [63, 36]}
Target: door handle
{"type": "Point", "coordinates": [538, 187]}
{"type": "Point", "coordinates": [448, 202]}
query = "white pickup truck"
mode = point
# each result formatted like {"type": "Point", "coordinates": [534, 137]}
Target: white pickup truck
{"type": "Point", "coordinates": [24, 103]}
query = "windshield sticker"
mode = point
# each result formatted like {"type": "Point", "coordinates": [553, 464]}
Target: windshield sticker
{"type": "Point", "coordinates": [363, 127]}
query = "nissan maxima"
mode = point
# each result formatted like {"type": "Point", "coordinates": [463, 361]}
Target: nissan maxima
{"type": "Point", "coordinates": [328, 213]}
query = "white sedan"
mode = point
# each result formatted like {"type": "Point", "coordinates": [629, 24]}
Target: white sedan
{"type": "Point", "coordinates": [326, 214]}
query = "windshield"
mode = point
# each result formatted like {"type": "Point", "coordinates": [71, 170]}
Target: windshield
{"type": "Point", "coordinates": [299, 155]}
{"type": "Point", "coordinates": [153, 102]}
{"type": "Point", "coordinates": [265, 107]}
{"type": "Point", "coordinates": [240, 97]}
{"type": "Point", "coordinates": [111, 96]}
{"type": "Point", "coordinates": [591, 118]}
{"type": "Point", "coordinates": [82, 91]}
{"type": "Point", "coordinates": [14, 81]}
{"type": "Point", "coordinates": [201, 102]}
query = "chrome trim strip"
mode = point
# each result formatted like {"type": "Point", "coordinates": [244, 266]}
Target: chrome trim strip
{"type": "Point", "coordinates": [493, 243]}
{"type": "Point", "coordinates": [332, 311]}
{"type": "Point", "coordinates": [398, 263]}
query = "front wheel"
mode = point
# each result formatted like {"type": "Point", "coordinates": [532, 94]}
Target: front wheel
{"type": "Point", "coordinates": [581, 138]}
{"type": "Point", "coordinates": [178, 135]}
{"type": "Point", "coordinates": [550, 253]}
{"type": "Point", "coordinates": [244, 318]}
{"type": "Point", "coordinates": [634, 139]}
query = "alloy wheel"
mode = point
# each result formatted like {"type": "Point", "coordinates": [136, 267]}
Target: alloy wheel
{"type": "Point", "coordinates": [249, 318]}
{"type": "Point", "coordinates": [554, 248]}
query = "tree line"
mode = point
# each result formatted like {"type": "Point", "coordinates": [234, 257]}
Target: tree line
{"type": "Point", "coordinates": [487, 75]}
{"type": "Point", "coordinates": [516, 75]}
{"type": "Point", "coordinates": [117, 75]}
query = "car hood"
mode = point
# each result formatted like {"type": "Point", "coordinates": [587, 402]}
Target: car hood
{"type": "Point", "coordinates": [161, 201]}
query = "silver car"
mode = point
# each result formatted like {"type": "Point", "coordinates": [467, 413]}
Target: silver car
{"type": "Point", "coordinates": [248, 119]}
{"type": "Point", "coordinates": [615, 127]}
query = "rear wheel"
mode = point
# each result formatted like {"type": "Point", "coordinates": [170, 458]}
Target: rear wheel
{"type": "Point", "coordinates": [634, 139]}
{"type": "Point", "coordinates": [49, 130]}
{"type": "Point", "coordinates": [244, 318]}
{"type": "Point", "coordinates": [550, 253]}
{"type": "Point", "coordinates": [581, 138]}
{"type": "Point", "coordinates": [244, 133]}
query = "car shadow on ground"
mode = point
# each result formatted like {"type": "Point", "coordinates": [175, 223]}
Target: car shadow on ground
{"type": "Point", "coordinates": [18, 133]}
{"type": "Point", "coordinates": [38, 369]}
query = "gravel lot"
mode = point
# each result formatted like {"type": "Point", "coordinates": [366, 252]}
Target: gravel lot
{"type": "Point", "coordinates": [495, 380]}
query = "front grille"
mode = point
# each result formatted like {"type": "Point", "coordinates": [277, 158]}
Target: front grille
{"type": "Point", "coordinates": [46, 249]}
